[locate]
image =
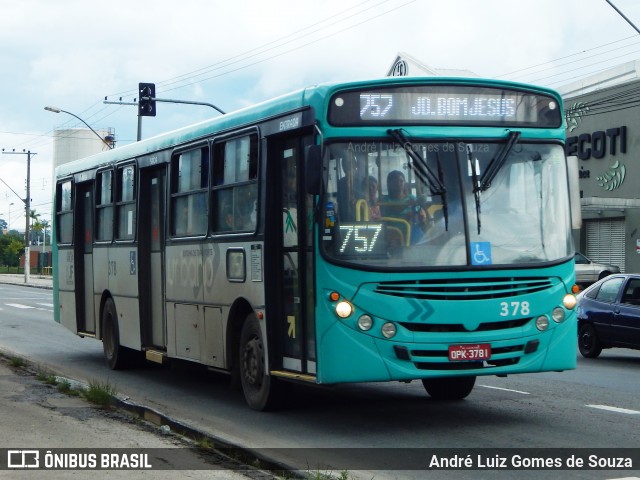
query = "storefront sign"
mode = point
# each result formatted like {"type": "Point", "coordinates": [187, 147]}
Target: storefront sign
{"type": "Point", "coordinates": [598, 144]}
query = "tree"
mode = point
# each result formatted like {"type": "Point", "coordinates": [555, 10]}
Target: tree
{"type": "Point", "coordinates": [3, 226]}
{"type": "Point", "coordinates": [41, 226]}
{"type": "Point", "coordinates": [11, 248]}
{"type": "Point", "coordinates": [34, 217]}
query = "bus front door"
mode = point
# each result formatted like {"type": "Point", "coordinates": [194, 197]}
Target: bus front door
{"type": "Point", "coordinates": [151, 251]}
{"type": "Point", "coordinates": [295, 324]}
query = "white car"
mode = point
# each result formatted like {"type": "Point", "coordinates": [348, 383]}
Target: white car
{"type": "Point", "coordinates": [589, 272]}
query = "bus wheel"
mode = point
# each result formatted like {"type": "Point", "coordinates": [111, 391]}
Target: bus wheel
{"type": "Point", "coordinates": [114, 353]}
{"type": "Point", "coordinates": [453, 388]}
{"type": "Point", "coordinates": [261, 391]}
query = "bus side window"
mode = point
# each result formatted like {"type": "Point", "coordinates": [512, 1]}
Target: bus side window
{"type": "Point", "coordinates": [126, 204]}
{"type": "Point", "coordinates": [235, 190]}
{"type": "Point", "coordinates": [189, 186]}
{"type": "Point", "coordinates": [104, 206]}
{"type": "Point", "coordinates": [64, 212]}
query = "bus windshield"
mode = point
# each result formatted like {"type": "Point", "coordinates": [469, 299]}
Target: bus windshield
{"type": "Point", "coordinates": [389, 205]}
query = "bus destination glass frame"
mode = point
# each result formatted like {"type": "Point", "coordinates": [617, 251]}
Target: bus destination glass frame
{"type": "Point", "coordinates": [460, 105]}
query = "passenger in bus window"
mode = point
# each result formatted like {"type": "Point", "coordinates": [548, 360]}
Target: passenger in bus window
{"type": "Point", "coordinates": [225, 212]}
{"type": "Point", "coordinates": [400, 205]}
{"type": "Point", "coordinates": [245, 214]}
{"type": "Point", "coordinates": [370, 185]}
{"type": "Point", "coordinates": [349, 191]}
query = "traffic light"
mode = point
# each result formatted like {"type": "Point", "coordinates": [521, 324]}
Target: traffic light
{"type": "Point", "coordinates": [146, 99]}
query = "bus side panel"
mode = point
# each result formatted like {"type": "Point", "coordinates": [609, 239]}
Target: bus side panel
{"type": "Point", "coordinates": [123, 284]}
{"type": "Point", "coordinates": [100, 281]}
{"type": "Point", "coordinates": [66, 289]}
{"type": "Point", "coordinates": [223, 288]}
{"type": "Point", "coordinates": [184, 273]}
{"type": "Point", "coordinates": [214, 333]}
{"type": "Point", "coordinates": [184, 309]}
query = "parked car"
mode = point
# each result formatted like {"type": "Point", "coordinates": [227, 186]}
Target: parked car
{"type": "Point", "coordinates": [609, 314]}
{"type": "Point", "coordinates": [588, 272]}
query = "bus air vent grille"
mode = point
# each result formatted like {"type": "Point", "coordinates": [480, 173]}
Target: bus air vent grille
{"type": "Point", "coordinates": [463, 288]}
{"type": "Point", "coordinates": [460, 328]}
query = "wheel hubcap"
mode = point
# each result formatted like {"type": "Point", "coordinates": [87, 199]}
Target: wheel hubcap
{"type": "Point", "coordinates": [252, 362]}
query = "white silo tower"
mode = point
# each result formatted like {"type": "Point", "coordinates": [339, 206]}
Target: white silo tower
{"type": "Point", "coordinates": [73, 143]}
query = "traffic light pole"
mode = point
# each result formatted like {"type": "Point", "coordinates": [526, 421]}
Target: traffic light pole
{"type": "Point", "coordinates": [187, 102]}
{"type": "Point", "coordinates": [147, 104]}
{"type": "Point", "coordinates": [170, 100]}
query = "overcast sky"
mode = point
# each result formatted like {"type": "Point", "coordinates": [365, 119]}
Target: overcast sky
{"type": "Point", "coordinates": [72, 53]}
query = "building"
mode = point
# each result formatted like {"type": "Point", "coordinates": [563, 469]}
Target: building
{"type": "Point", "coordinates": [405, 65]}
{"type": "Point", "coordinates": [73, 143]}
{"type": "Point", "coordinates": [40, 259]}
{"type": "Point", "coordinates": [602, 113]}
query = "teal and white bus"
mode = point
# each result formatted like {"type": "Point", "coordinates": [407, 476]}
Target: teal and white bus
{"type": "Point", "coordinates": [389, 230]}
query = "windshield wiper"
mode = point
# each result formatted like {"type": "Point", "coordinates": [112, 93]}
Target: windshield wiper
{"type": "Point", "coordinates": [496, 164]}
{"type": "Point", "coordinates": [474, 179]}
{"type": "Point", "coordinates": [424, 173]}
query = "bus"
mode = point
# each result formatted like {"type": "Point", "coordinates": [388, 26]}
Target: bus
{"type": "Point", "coordinates": [396, 229]}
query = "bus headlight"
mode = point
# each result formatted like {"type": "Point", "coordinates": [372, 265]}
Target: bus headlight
{"type": "Point", "coordinates": [558, 315]}
{"type": "Point", "coordinates": [542, 323]}
{"type": "Point", "coordinates": [365, 322]}
{"type": "Point", "coordinates": [569, 301]}
{"type": "Point", "coordinates": [344, 309]}
{"type": "Point", "coordinates": [389, 330]}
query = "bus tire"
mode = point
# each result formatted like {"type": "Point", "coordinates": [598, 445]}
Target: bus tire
{"type": "Point", "coordinates": [114, 353]}
{"type": "Point", "coordinates": [452, 388]}
{"type": "Point", "coordinates": [261, 391]}
{"type": "Point", "coordinates": [588, 342]}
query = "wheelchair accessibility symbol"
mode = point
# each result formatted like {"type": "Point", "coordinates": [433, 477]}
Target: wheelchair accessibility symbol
{"type": "Point", "coordinates": [481, 253]}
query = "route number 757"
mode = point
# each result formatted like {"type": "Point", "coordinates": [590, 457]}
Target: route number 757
{"type": "Point", "coordinates": [375, 105]}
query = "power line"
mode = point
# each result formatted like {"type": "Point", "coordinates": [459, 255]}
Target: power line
{"type": "Point", "coordinates": [571, 55]}
{"type": "Point", "coordinates": [190, 78]}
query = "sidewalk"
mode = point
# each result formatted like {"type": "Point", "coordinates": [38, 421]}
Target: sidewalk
{"type": "Point", "coordinates": [35, 415]}
{"type": "Point", "coordinates": [35, 280]}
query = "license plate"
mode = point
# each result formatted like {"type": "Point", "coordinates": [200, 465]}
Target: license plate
{"type": "Point", "coordinates": [458, 353]}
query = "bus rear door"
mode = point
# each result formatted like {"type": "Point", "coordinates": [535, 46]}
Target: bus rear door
{"type": "Point", "coordinates": [151, 252]}
{"type": "Point", "coordinates": [83, 220]}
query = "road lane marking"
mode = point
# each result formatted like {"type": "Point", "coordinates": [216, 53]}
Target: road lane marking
{"type": "Point", "coordinates": [18, 305]}
{"type": "Point", "coordinates": [615, 409]}
{"type": "Point", "coordinates": [505, 389]}
{"type": "Point", "coordinates": [48, 305]}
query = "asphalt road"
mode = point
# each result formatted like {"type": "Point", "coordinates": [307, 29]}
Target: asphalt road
{"type": "Point", "coordinates": [362, 426]}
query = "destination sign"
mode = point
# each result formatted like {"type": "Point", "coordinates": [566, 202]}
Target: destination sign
{"type": "Point", "coordinates": [444, 105]}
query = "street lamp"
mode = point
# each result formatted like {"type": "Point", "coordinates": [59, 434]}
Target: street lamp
{"type": "Point", "coordinates": [58, 110]}
{"type": "Point", "coordinates": [10, 205]}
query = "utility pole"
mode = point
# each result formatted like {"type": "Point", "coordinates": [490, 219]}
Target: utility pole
{"type": "Point", "coordinates": [27, 205]}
